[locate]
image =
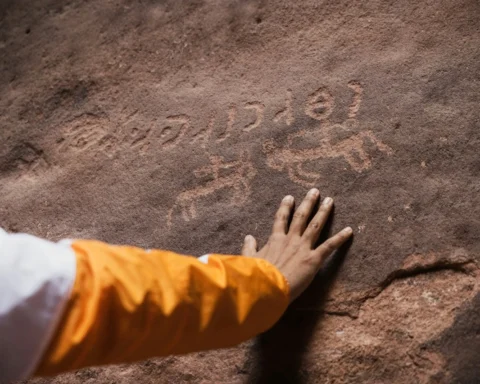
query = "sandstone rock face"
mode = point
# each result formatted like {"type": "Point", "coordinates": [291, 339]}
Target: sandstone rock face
{"type": "Point", "coordinates": [181, 125]}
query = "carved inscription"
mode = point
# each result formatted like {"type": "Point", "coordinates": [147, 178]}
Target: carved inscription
{"type": "Point", "coordinates": [173, 133]}
{"type": "Point", "coordinates": [259, 109]}
{"type": "Point", "coordinates": [83, 133]}
{"type": "Point", "coordinates": [298, 156]}
{"type": "Point", "coordinates": [320, 104]}
{"type": "Point", "coordinates": [203, 136]}
{"type": "Point", "coordinates": [286, 113]}
{"type": "Point", "coordinates": [351, 146]}
{"type": "Point", "coordinates": [140, 139]}
{"type": "Point", "coordinates": [357, 98]}
{"type": "Point", "coordinates": [88, 132]}
{"type": "Point", "coordinates": [237, 179]}
{"type": "Point", "coordinates": [100, 134]}
{"type": "Point", "coordinates": [133, 133]}
{"type": "Point", "coordinates": [232, 114]}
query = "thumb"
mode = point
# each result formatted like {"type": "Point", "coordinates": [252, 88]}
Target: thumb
{"type": "Point", "coordinates": [249, 246]}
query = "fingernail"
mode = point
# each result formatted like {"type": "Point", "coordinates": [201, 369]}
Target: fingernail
{"type": "Point", "coordinates": [288, 199]}
{"type": "Point", "coordinates": [328, 201]}
{"type": "Point", "coordinates": [348, 230]}
{"type": "Point", "coordinates": [314, 192]}
{"type": "Point", "coordinates": [248, 237]}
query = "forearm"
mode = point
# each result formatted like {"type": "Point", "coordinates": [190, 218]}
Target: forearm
{"type": "Point", "coordinates": [128, 304]}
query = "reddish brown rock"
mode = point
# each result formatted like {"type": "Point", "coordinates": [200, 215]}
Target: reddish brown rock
{"type": "Point", "coordinates": [181, 125]}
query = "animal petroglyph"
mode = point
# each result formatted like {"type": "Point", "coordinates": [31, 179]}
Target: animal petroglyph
{"type": "Point", "coordinates": [294, 160]}
{"type": "Point", "coordinates": [237, 179]}
{"type": "Point", "coordinates": [351, 148]}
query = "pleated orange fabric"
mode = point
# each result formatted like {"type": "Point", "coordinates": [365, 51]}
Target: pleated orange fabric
{"type": "Point", "coordinates": [128, 304]}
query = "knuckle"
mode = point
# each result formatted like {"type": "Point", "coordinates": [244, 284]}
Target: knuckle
{"type": "Point", "coordinates": [315, 224]}
{"type": "Point", "coordinates": [281, 216]}
{"type": "Point", "coordinates": [300, 215]}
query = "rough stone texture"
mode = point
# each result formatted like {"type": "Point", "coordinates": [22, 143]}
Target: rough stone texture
{"type": "Point", "coordinates": [180, 125]}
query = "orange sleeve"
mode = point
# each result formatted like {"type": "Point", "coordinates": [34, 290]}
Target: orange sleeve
{"type": "Point", "coordinates": [128, 304]}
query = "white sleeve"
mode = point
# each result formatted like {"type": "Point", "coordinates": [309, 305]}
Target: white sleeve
{"type": "Point", "coordinates": [36, 277]}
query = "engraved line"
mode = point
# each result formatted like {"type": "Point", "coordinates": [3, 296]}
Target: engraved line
{"type": "Point", "coordinates": [185, 124]}
{"type": "Point", "coordinates": [357, 98]}
{"type": "Point", "coordinates": [259, 112]}
{"type": "Point", "coordinates": [320, 104]}
{"type": "Point", "coordinates": [287, 112]}
{"type": "Point", "coordinates": [232, 114]}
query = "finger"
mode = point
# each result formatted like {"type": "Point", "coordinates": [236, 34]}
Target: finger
{"type": "Point", "coordinates": [301, 215]}
{"type": "Point", "coordinates": [332, 244]}
{"type": "Point", "coordinates": [280, 224]}
{"type": "Point", "coordinates": [249, 246]}
{"type": "Point", "coordinates": [315, 226]}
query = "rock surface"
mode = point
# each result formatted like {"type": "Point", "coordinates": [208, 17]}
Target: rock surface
{"type": "Point", "coordinates": [181, 125]}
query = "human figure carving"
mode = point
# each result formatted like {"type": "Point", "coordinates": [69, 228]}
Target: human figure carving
{"type": "Point", "coordinates": [238, 180]}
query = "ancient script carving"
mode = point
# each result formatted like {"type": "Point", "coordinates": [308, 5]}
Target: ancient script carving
{"type": "Point", "coordinates": [287, 112]}
{"type": "Point", "coordinates": [320, 104]}
{"type": "Point", "coordinates": [173, 137]}
{"type": "Point", "coordinates": [259, 109]}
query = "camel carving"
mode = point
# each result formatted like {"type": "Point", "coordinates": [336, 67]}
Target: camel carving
{"type": "Point", "coordinates": [351, 146]}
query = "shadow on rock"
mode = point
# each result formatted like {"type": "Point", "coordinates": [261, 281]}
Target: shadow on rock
{"type": "Point", "coordinates": [277, 355]}
{"type": "Point", "coordinates": [460, 346]}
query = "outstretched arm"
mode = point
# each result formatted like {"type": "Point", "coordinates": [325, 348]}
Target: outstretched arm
{"type": "Point", "coordinates": [67, 306]}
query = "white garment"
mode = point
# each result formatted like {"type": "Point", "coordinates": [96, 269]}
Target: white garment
{"type": "Point", "coordinates": [36, 277]}
{"type": "Point", "coordinates": [204, 259]}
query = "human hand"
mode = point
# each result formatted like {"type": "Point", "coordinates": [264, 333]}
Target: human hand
{"type": "Point", "coordinates": [291, 248]}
